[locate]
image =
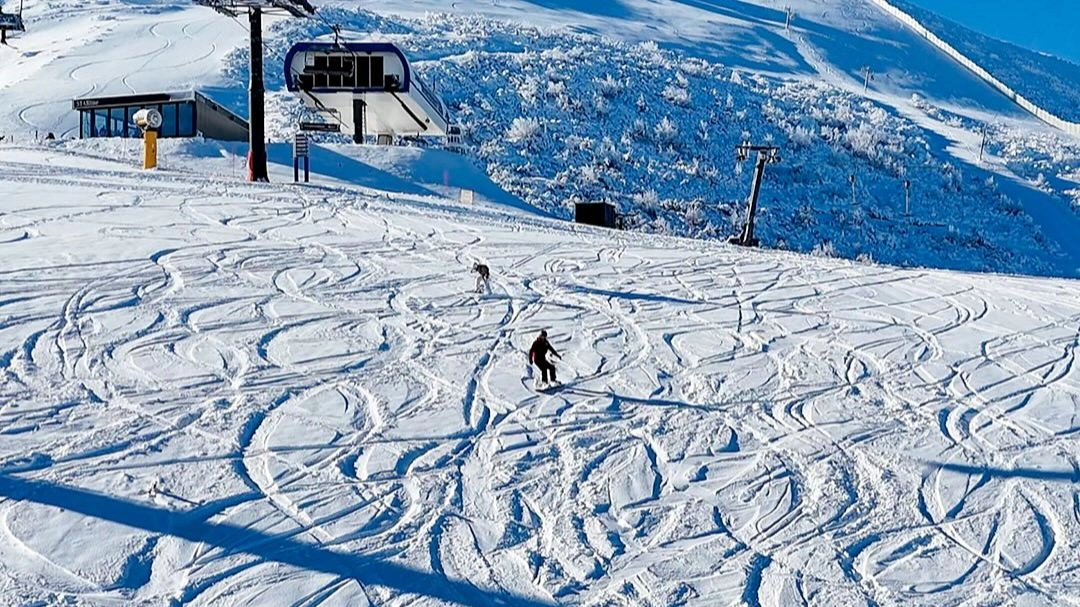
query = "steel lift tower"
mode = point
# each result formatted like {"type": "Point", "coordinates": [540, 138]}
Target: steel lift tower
{"type": "Point", "coordinates": [256, 91]}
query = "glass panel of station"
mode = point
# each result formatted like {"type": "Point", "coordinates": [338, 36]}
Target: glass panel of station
{"type": "Point", "coordinates": [178, 120]}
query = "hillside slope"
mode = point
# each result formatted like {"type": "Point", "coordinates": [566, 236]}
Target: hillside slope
{"type": "Point", "coordinates": [255, 394]}
{"type": "Point", "coordinates": [1048, 81]}
{"type": "Point", "coordinates": [556, 116]}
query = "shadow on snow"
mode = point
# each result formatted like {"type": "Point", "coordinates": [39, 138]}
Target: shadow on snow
{"type": "Point", "coordinates": [278, 548]}
{"type": "Point", "coordinates": [1061, 476]}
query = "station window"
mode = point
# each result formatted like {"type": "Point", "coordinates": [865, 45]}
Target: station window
{"type": "Point", "coordinates": [169, 122]}
{"type": "Point", "coordinates": [117, 122]}
{"type": "Point", "coordinates": [377, 71]}
{"type": "Point", "coordinates": [101, 123]}
{"type": "Point", "coordinates": [186, 121]}
{"type": "Point", "coordinates": [86, 125]}
{"type": "Point", "coordinates": [348, 73]}
{"type": "Point", "coordinates": [363, 72]}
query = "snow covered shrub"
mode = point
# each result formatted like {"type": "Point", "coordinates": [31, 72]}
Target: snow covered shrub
{"type": "Point", "coordinates": [529, 90]}
{"type": "Point", "coordinates": [804, 216]}
{"type": "Point", "coordinates": [650, 52]}
{"type": "Point", "coordinates": [638, 130]}
{"type": "Point", "coordinates": [523, 130]}
{"type": "Point", "coordinates": [864, 139]}
{"type": "Point", "coordinates": [587, 175]}
{"type": "Point", "coordinates": [609, 87]}
{"type": "Point", "coordinates": [648, 200]}
{"type": "Point", "coordinates": [694, 213]}
{"type": "Point", "coordinates": [824, 249]}
{"type": "Point", "coordinates": [666, 131]}
{"type": "Point", "coordinates": [607, 154]}
{"type": "Point", "coordinates": [676, 95]}
{"type": "Point", "coordinates": [600, 105]}
{"type": "Point", "coordinates": [801, 136]}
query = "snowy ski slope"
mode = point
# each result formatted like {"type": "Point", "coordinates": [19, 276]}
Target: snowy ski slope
{"type": "Point", "coordinates": [218, 393]}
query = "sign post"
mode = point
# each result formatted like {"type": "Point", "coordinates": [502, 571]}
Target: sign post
{"type": "Point", "coordinates": [10, 22]}
{"type": "Point", "coordinates": [300, 150]}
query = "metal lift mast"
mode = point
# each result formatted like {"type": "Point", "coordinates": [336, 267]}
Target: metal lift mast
{"type": "Point", "coordinates": [256, 91]}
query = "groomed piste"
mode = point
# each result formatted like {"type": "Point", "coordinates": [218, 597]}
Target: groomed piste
{"type": "Point", "coordinates": [218, 393]}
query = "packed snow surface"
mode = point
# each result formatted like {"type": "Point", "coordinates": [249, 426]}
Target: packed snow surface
{"type": "Point", "coordinates": [238, 394]}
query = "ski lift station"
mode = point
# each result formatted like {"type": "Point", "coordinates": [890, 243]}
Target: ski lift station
{"type": "Point", "coordinates": [185, 114]}
{"type": "Point", "coordinates": [368, 88]}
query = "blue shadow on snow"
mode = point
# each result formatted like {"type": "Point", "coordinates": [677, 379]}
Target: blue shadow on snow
{"type": "Point", "coordinates": [281, 549]}
{"type": "Point", "coordinates": [1061, 476]}
{"type": "Point", "coordinates": [327, 162]}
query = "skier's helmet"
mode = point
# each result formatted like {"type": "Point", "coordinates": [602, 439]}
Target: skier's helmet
{"type": "Point", "coordinates": [543, 333]}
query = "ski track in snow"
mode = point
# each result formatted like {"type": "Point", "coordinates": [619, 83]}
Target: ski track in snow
{"type": "Point", "coordinates": [310, 363]}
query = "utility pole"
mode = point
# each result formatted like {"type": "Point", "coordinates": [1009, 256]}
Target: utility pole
{"type": "Point", "coordinates": [907, 198]}
{"type": "Point", "coordinates": [982, 144]}
{"type": "Point", "coordinates": [766, 154]}
{"type": "Point", "coordinates": [789, 16]}
{"type": "Point", "coordinates": [257, 170]}
{"type": "Point", "coordinates": [868, 75]}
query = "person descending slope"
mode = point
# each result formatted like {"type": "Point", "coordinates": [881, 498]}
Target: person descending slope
{"type": "Point", "coordinates": [483, 279]}
{"type": "Point", "coordinates": [538, 356]}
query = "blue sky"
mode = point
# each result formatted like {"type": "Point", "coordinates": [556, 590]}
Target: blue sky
{"type": "Point", "coordinates": [1051, 26]}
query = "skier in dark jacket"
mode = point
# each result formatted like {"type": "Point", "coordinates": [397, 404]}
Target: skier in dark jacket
{"type": "Point", "coordinates": [483, 279]}
{"type": "Point", "coordinates": [538, 356]}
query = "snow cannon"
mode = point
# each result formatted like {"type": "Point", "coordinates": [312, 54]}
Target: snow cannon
{"type": "Point", "coordinates": [149, 121]}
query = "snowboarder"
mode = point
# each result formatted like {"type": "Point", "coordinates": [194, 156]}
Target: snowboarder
{"type": "Point", "coordinates": [538, 356]}
{"type": "Point", "coordinates": [483, 278]}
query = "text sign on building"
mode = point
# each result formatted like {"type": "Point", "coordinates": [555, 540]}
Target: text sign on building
{"type": "Point", "coordinates": [123, 100]}
{"type": "Point", "coordinates": [300, 145]}
{"type": "Point", "coordinates": [321, 127]}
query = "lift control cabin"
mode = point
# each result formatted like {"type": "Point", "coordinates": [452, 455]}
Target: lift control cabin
{"type": "Point", "coordinates": [368, 88]}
